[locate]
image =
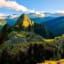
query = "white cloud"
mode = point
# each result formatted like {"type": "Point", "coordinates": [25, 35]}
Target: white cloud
{"type": "Point", "coordinates": [60, 11]}
{"type": "Point", "coordinates": [2, 16]}
{"type": "Point", "coordinates": [17, 7]}
{"type": "Point", "coordinates": [13, 5]}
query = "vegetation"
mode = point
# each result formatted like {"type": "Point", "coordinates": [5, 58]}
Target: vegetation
{"type": "Point", "coordinates": [30, 48]}
{"type": "Point", "coordinates": [20, 45]}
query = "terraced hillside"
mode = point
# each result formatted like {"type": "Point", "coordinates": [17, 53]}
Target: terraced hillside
{"type": "Point", "coordinates": [24, 43]}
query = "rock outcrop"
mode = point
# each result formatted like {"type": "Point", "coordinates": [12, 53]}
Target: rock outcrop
{"type": "Point", "coordinates": [24, 22]}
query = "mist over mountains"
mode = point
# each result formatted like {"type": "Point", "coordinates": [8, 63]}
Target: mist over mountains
{"type": "Point", "coordinates": [50, 23]}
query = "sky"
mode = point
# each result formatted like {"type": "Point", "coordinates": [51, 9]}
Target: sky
{"type": "Point", "coordinates": [24, 6]}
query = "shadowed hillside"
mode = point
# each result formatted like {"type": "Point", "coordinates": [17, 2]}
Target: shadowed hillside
{"type": "Point", "coordinates": [26, 24]}
{"type": "Point", "coordinates": [24, 43]}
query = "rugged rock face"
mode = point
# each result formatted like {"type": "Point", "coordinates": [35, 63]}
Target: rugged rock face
{"type": "Point", "coordinates": [24, 22]}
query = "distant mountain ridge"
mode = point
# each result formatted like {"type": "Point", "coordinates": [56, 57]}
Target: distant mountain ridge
{"type": "Point", "coordinates": [51, 24]}
{"type": "Point", "coordinates": [26, 23]}
{"type": "Point", "coordinates": [47, 26]}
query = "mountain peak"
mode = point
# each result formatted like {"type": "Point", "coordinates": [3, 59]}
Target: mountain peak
{"type": "Point", "coordinates": [24, 21]}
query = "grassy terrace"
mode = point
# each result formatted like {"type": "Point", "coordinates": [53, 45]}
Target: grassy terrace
{"type": "Point", "coordinates": [30, 48]}
{"type": "Point", "coordinates": [27, 47]}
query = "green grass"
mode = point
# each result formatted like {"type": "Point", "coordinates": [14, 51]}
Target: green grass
{"type": "Point", "coordinates": [19, 43]}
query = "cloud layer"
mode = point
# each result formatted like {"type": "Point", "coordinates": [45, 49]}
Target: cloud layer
{"type": "Point", "coordinates": [17, 7]}
{"type": "Point", "coordinates": [12, 5]}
